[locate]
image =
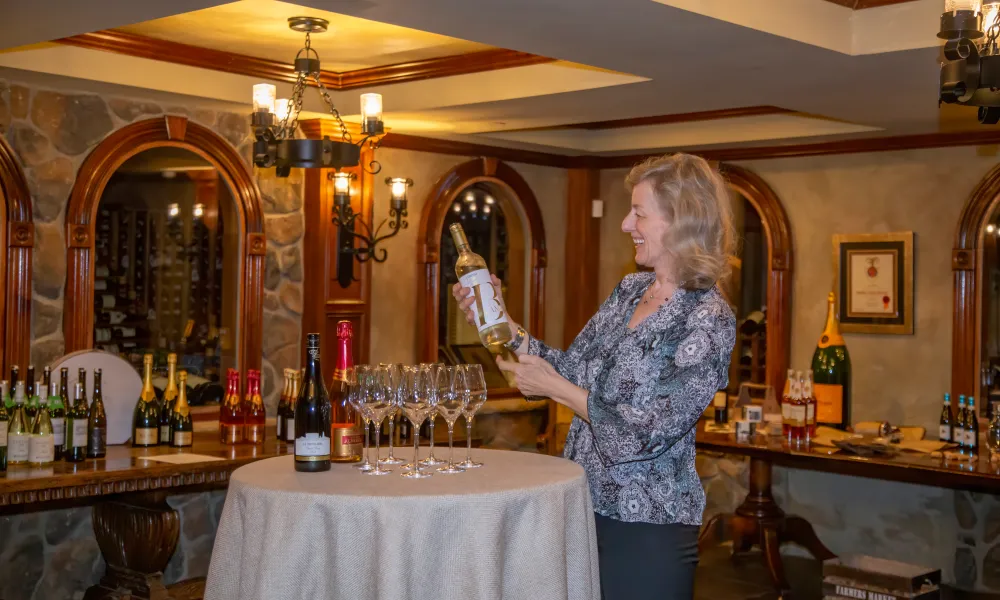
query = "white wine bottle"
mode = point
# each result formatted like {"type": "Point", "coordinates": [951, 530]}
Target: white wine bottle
{"type": "Point", "coordinates": [491, 318]}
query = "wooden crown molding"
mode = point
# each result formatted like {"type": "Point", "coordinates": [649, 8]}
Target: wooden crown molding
{"type": "Point", "coordinates": [706, 115]}
{"type": "Point", "coordinates": [861, 4]}
{"type": "Point", "coordinates": [240, 64]}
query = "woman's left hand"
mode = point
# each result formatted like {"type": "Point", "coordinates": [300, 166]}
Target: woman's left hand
{"type": "Point", "coordinates": [533, 375]}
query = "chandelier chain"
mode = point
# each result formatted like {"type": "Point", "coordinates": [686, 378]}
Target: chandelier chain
{"type": "Point", "coordinates": [291, 121]}
{"type": "Point", "coordinates": [333, 109]}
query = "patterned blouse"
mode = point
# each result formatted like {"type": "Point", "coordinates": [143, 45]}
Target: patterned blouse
{"type": "Point", "coordinates": [648, 387]}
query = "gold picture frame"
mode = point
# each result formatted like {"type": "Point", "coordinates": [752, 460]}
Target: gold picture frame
{"type": "Point", "coordinates": [874, 282]}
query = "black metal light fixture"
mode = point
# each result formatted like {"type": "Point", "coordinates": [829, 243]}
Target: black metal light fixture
{"type": "Point", "coordinates": [275, 121]}
{"type": "Point", "coordinates": [970, 74]}
{"type": "Point", "coordinates": [361, 246]}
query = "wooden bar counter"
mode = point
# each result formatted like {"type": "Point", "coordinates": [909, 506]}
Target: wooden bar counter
{"type": "Point", "coordinates": [760, 521]}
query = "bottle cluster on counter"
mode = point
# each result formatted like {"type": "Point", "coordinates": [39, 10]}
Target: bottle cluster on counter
{"type": "Point", "coordinates": [242, 418]}
{"type": "Point", "coordinates": [961, 428]}
{"type": "Point", "coordinates": [39, 425]}
{"type": "Point", "coordinates": [798, 407]}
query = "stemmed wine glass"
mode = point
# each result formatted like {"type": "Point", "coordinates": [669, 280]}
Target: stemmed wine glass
{"type": "Point", "coordinates": [361, 380]}
{"type": "Point", "coordinates": [416, 384]}
{"type": "Point", "coordinates": [432, 400]}
{"type": "Point", "coordinates": [449, 406]}
{"type": "Point", "coordinates": [475, 397]}
{"type": "Point", "coordinates": [396, 401]}
{"type": "Point", "coordinates": [378, 403]}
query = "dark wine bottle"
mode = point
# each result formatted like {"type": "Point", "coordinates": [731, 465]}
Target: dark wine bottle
{"type": "Point", "coordinates": [946, 420]}
{"type": "Point", "coordinates": [312, 415]}
{"type": "Point", "coordinates": [4, 423]}
{"type": "Point", "coordinates": [283, 405]}
{"type": "Point", "coordinates": [831, 365]}
{"type": "Point", "coordinates": [76, 423]}
{"type": "Point", "coordinates": [31, 400]}
{"type": "Point", "coordinates": [57, 412]}
{"type": "Point", "coordinates": [146, 416]}
{"type": "Point", "coordinates": [169, 397]}
{"type": "Point", "coordinates": [9, 398]}
{"type": "Point", "coordinates": [97, 423]}
{"type": "Point", "coordinates": [181, 427]}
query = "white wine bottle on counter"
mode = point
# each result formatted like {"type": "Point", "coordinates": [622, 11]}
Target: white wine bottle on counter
{"type": "Point", "coordinates": [491, 318]}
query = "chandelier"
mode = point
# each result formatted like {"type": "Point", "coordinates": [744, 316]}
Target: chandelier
{"type": "Point", "coordinates": [970, 74]}
{"type": "Point", "coordinates": [275, 121]}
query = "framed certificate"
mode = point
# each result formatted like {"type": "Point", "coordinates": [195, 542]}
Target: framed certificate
{"type": "Point", "coordinates": [874, 282]}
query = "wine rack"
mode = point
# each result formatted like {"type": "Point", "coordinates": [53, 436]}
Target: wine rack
{"type": "Point", "coordinates": [158, 279]}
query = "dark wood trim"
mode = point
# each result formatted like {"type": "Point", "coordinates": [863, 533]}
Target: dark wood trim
{"type": "Point", "coordinates": [779, 252]}
{"type": "Point", "coordinates": [707, 115]}
{"type": "Point", "coordinates": [93, 176]}
{"type": "Point", "coordinates": [966, 265]}
{"type": "Point", "coordinates": [15, 274]}
{"type": "Point", "coordinates": [141, 46]}
{"type": "Point", "coordinates": [435, 208]}
{"type": "Point", "coordinates": [583, 251]}
{"type": "Point", "coordinates": [418, 143]}
{"type": "Point", "coordinates": [862, 4]}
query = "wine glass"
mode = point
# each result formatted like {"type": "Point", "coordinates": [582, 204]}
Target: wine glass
{"type": "Point", "coordinates": [449, 406]}
{"type": "Point", "coordinates": [394, 379]}
{"type": "Point", "coordinates": [378, 403]}
{"type": "Point", "coordinates": [359, 389]}
{"type": "Point", "coordinates": [432, 399]}
{"type": "Point", "coordinates": [415, 390]}
{"type": "Point", "coordinates": [475, 390]}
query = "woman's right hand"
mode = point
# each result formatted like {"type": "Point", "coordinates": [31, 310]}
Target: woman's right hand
{"type": "Point", "coordinates": [466, 299]}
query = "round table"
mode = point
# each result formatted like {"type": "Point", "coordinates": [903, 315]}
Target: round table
{"type": "Point", "coordinates": [521, 527]}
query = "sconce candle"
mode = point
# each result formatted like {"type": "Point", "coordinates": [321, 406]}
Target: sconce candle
{"type": "Point", "coordinates": [263, 97]}
{"type": "Point", "coordinates": [397, 189]}
{"type": "Point", "coordinates": [371, 114]}
{"type": "Point", "coordinates": [342, 188]}
{"type": "Point", "coordinates": [282, 107]}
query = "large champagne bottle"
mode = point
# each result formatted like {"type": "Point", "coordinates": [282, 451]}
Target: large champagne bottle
{"type": "Point", "coordinates": [348, 443]}
{"type": "Point", "coordinates": [491, 319]}
{"type": "Point", "coordinates": [312, 415]}
{"type": "Point", "coordinates": [831, 366]}
{"type": "Point", "coordinates": [97, 421]}
{"type": "Point", "coordinates": [146, 417]}
{"type": "Point", "coordinates": [181, 427]}
{"type": "Point", "coordinates": [169, 397]}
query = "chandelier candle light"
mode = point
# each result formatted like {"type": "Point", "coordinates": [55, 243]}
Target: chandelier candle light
{"type": "Point", "coordinates": [970, 74]}
{"type": "Point", "coordinates": [275, 121]}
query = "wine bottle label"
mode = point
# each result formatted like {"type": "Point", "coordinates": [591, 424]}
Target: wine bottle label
{"type": "Point", "coordinates": [797, 415]}
{"type": "Point", "coordinates": [18, 446]}
{"type": "Point", "coordinates": [78, 431]}
{"type": "Point", "coordinates": [3, 434]}
{"type": "Point", "coordinates": [146, 436]}
{"type": "Point", "coordinates": [786, 414]}
{"type": "Point", "coordinates": [41, 449]}
{"type": "Point", "coordinates": [181, 439]}
{"type": "Point", "coordinates": [312, 447]}
{"type": "Point", "coordinates": [970, 438]}
{"type": "Point", "coordinates": [290, 431]}
{"type": "Point", "coordinates": [232, 434]}
{"type": "Point", "coordinates": [489, 311]}
{"type": "Point", "coordinates": [944, 433]}
{"type": "Point", "coordinates": [829, 402]}
{"type": "Point", "coordinates": [255, 434]}
{"type": "Point", "coordinates": [280, 427]}
{"type": "Point", "coordinates": [59, 430]}
{"type": "Point", "coordinates": [810, 413]}
{"type": "Point", "coordinates": [348, 443]}
{"type": "Point", "coordinates": [720, 400]}
{"type": "Point", "coordinates": [165, 434]}
{"type": "Point", "coordinates": [97, 442]}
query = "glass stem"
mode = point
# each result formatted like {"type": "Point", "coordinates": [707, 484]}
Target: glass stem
{"type": "Point", "coordinates": [368, 430]}
{"type": "Point", "coordinates": [430, 453]}
{"type": "Point", "coordinates": [468, 439]}
{"type": "Point", "coordinates": [451, 445]}
{"type": "Point", "coordinates": [392, 425]}
{"type": "Point", "coordinates": [378, 439]}
{"type": "Point", "coordinates": [416, 439]}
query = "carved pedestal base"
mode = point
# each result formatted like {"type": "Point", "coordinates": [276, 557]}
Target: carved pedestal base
{"type": "Point", "coordinates": [760, 522]}
{"type": "Point", "coordinates": [137, 536]}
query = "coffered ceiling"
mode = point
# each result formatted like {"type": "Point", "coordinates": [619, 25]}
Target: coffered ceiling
{"type": "Point", "coordinates": [533, 73]}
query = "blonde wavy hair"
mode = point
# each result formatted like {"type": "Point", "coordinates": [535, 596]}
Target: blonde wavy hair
{"type": "Point", "coordinates": [695, 200]}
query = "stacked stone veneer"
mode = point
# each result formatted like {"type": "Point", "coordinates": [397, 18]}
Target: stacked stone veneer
{"type": "Point", "coordinates": [53, 131]}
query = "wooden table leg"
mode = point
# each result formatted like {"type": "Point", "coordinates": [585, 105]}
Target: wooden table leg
{"type": "Point", "coordinates": [137, 536]}
{"type": "Point", "coordinates": [759, 521]}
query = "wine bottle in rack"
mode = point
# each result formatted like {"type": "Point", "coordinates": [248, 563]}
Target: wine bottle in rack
{"type": "Point", "coordinates": [231, 417]}
{"type": "Point", "coordinates": [4, 424]}
{"type": "Point", "coordinates": [346, 438]}
{"type": "Point", "coordinates": [146, 416]}
{"type": "Point", "coordinates": [97, 421]}
{"type": "Point", "coordinates": [253, 409]}
{"type": "Point", "coordinates": [57, 412]}
{"type": "Point", "coordinates": [18, 432]}
{"type": "Point", "coordinates": [312, 415]}
{"type": "Point", "coordinates": [41, 446]}
{"type": "Point", "coordinates": [181, 427]}
{"type": "Point", "coordinates": [76, 424]}
{"type": "Point", "coordinates": [169, 397]}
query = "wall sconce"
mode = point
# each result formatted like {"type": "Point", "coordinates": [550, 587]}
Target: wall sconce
{"type": "Point", "coordinates": [353, 245]}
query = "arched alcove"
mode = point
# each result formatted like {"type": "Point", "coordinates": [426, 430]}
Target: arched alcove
{"type": "Point", "coordinates": [17, 235]}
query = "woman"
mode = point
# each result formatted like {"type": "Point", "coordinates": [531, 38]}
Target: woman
{"type": "Point", "coordinates": [641, 373]}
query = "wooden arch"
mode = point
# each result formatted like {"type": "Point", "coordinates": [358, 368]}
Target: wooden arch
{"type": "Point", "coordinates": [966, 264]}
{"type": "Point", "coordinates": [779, 253]}
{"type": "Point", "coordinates": [489, 170]}
{"type": "Point", "coordinates": [15, 274]}
{"type": "Point", "coordinates": [94, 174]}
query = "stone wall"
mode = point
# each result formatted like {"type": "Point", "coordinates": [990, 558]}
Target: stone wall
{"type": "Point", "coordinates": [53, 130]}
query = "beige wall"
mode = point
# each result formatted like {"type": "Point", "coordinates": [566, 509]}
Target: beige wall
{"type": "Point", "coordinates": [395, 285]}
{"type": "Point", "coordinates": [898, 378]}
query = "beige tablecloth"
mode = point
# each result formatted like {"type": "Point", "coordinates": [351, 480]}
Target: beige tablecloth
{"type": "Point", "coordinates": [521, 527]}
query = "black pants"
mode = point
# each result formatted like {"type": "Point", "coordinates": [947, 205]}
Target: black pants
{"type": "Point", "coordinates": [642, 561]}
